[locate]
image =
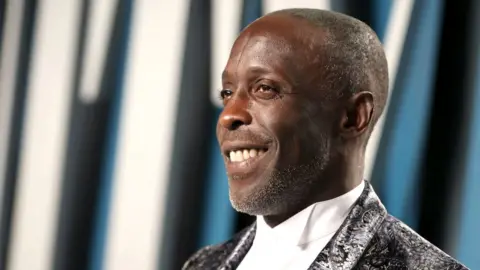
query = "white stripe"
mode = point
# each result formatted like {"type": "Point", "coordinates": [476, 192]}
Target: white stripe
{"type": "Point", "coordinates": [225, 27]}
{"type": "Point", "coordinates": [146, 134]}
{"type": "Point", "coordinates": [99, 29]}
{"type": "Point", "coordinates": [8, 74]}
{"type": "Point", "coordinates": [44, 141]}
{"type": "Point", "coordinates": [395, 36]}
{"type": "Point", "coordinates": [273, 5]}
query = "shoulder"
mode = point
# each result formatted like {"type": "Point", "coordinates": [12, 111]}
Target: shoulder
{"type": "Point", "coordinates": [397, 245]}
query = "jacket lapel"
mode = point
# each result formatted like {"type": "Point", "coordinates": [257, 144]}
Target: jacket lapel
{"type": "Point", "coordinates": [240, 250]}
{"type": "Point", "coordinates": [348, 244]}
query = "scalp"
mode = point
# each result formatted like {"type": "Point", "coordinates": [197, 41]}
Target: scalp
{"type": "Point", "coordinates": [345, 51]}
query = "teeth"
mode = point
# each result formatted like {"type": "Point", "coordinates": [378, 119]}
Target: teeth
{"type": "Point", "coordinates": [245, 154]}
{"type": "Point", "coordinates": [239, 156]}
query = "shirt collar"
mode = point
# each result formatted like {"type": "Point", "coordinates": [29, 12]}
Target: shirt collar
{"type": "Point", "coordinates": [316, 221]}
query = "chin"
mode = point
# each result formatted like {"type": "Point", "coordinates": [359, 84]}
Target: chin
{"type": "Point", "coordinates": [256, 199]}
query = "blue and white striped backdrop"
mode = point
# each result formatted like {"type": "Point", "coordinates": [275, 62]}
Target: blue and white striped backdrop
{"type": "Point", "coordinates": [108, 155]}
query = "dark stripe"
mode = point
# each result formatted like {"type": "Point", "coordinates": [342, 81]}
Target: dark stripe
{"type": "Point", "coordinates": [111, 96]}
{"type": "Point", "coordinates": [447, 126]}
{"type": "Point", "coordinates": [469, 200]}
{"type": "Point", "coordinates": [375, 13]}
{"type": "Point", "coordinates": [2, 23]}
{"type": "Point", "coordinates": [16, 127]}
{"type": "Point", "coordinates": [400, 154]}
{"type": "Point", "coordinates": [85, 151]}
{"type": "Point", "coordinates": [361, 10]}
{"type": "Point", "coordinates": [466, 249]}
{"type": "Point", "coordinates": [70, 215]}
{"type": "Point", "coordinates": [189, 163]}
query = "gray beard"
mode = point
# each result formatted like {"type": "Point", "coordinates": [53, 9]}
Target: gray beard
{"type": "Point", "coordinates": [284, 187]}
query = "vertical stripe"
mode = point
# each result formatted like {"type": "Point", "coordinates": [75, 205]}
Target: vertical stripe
{"type": "Point", "coordinates": [382, 10]}
{"type": "Point", "coordinates": [2, 23]}
{"type": "Point", "coordinates": [217, 217]}
{"type": "Point", "coordinates": [8, 74]}
{"type": "Point", "coordinates": [444, 151]}
{"type": "Point", "coordinates": [467, 251]}
{"type": "Point", "coordinates": [100, 226]}
{"type": "Point", "coordinates": [43, 144]}
{"type": "Point", "coordinates": [469, 236]}
{"type": "Point", "coordinates": [409, 114]}
{"type": "Point", "coordinates": [88, 129]}
{"type": "Point", "coordinates": [146, 134]}
{"type": "Point", "coordinates": [361, 10]}
{"type": "Point", "coordinates": [99, 28]}
{"type": "Point", "coordinates": [224, 26]}
{"type": "Point", "coordinates": [181, 228]}
{"type": "Point", "coordinates": [14, 75]}
{"type": "Point", "coordinates": [395, 35]}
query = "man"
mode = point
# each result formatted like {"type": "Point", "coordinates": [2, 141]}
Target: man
{"type": "Point", "coordinates": [302, 91]}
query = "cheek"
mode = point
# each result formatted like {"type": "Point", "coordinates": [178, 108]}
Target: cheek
{"type": "Point", "coordinates": [301, 136]}
{"type": "Point", "coordinates": [290, 134]}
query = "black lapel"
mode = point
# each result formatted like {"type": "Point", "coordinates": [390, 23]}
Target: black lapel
{"type": "Point", "coordinates": [348, 244]}
{"type": "Point", "coordinates": [241, 248]}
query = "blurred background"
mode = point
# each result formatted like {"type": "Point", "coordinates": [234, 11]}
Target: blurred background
{"type": "Point", "coordinates": [108, 155]}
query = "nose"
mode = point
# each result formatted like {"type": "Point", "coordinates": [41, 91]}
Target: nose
{"type": "Point", "coordinates": [235, 114]}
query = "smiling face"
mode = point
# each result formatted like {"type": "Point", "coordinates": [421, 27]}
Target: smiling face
{"type": "Point", "coordinates": [274, 134]}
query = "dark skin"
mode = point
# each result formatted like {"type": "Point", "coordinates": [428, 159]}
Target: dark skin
{"type": "Point", "coordinates": [275, 100]}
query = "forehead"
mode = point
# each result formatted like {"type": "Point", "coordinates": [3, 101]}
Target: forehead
{"type": "Point", "coordinates": [281, 43]}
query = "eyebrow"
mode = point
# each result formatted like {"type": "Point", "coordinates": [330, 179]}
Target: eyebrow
{"type": "Point", "coordinates": [256, 70]}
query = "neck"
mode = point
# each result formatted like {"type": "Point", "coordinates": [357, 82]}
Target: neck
{"type": "Point", "coordinates": [342, 176]}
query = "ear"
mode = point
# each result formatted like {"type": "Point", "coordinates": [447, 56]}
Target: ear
{"type": "Point", "coordinates": [357, 115]}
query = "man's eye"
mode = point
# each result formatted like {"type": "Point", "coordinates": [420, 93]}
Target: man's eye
{"type": "Point", "coordinates": [265, 91]}
{"type": "Point", "coordinates": [225, 93]}
{"type": "Point", "coordinates": [266, 88]}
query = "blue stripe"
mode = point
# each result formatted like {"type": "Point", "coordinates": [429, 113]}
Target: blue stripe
{"type": "Point", "coordinates": [381, 13]}
{"type": "Point", "coordinates": [467, 249]}
{"type": "Point", "coordinates": [102, 215]}
{"type": "Point", "coordinates": [218, 222]}
{"type": "Point", "coordinates": [252, 10]}
{"type": "Point", "coordinates": [409, 114]}
{"type": "Point", "coordinates": [218, 218]}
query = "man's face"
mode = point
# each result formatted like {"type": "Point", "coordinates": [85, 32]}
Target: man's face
{"type": "Point", "coordinates": [273, 133]}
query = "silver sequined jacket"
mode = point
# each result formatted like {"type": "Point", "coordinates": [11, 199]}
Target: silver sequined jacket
{"type": "Point", "coordinates": [369, 238]}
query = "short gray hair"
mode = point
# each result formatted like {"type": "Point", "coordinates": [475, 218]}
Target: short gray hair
{"type": "Point", "coordinates": [356, 59]}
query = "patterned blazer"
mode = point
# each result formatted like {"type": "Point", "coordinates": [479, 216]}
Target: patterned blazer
{"type": "Point", "coordinates": [369, 238]}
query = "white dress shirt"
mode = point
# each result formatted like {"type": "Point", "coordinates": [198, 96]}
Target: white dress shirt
{"type": "Point", "coordinates": [296, 242]}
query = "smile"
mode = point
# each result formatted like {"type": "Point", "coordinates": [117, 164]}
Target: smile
{"type": "Point", "coordinates": [241, 155]}
{"type": "Point", "coordinates": [245, 161]}
{"type": "Point", "coordinates": [245, 158]}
